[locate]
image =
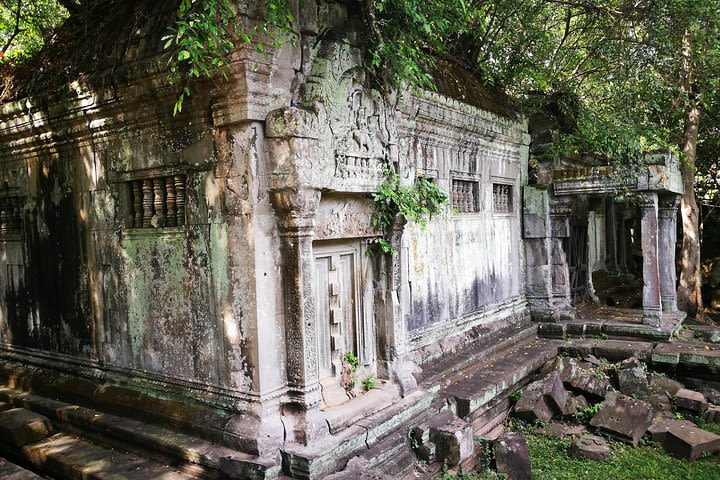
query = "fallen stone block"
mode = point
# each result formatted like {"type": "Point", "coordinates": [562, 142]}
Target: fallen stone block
{"type": "Point", "coordinates": [511, 456]}
{"type": "Point", "coordinates": [553, 430]}
{"type": "Point", "coordinates": [579, 379]}
{"type": "Point", "coordinates": [21, 427]}
{"type": "Point", "coordinates": [658, 430]}
{"type": "Point", "coordinates": [4, 406]}
{"type": "Point", "coordinates": [690, 442]}
{"type": "Point", "coordinates": [445, 438]}
{"type": "Point", "coordinates": [624, 418]}
{"type": "Point", "coordinates": [712, 415]}
{"type": "Point", "coordinates": [632, 379]}
{"type": "Point", "coordinates": [532, 406]}
{"type": "Point", "coordinates": [591, 447]}
{"type": "Point", "coordinates": [712, 395]}
{"type": "Point", "coordinates": [662, 384]}
{"type": "Point", "coordinates": [661, 404]}
{"type": "Point", "coordinates": [690, 400]}
{"type": "Point", "coordinates": [574, 405]}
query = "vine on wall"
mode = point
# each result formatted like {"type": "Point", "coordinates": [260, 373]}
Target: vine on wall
{"type": "Point", "coordinates": [416, 202]}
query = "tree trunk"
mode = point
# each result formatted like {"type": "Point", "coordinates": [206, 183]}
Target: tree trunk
{"type": "Point", "coordinates": [689, 297]}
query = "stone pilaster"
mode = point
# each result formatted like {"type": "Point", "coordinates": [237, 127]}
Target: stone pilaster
{"type": "Point", "coordinates": [667, 236]}
{"type": "Point", "coordinates": [293, 146]}
{"type": "Point", "coordinates": [622, 239]}
{"type": "Point", "coordinates": [611, 237]}
{"type": "Point", "coordinates": [652, 306]}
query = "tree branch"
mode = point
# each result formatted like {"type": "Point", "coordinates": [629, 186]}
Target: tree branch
{"type": "Point", "coordinates": [16, 30]}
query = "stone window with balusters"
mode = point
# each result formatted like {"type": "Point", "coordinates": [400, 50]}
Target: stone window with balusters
{"type": "Point", "coordinates": [465, 198]}
{"type": "Point", "coordinates": [10, 215]}
{"type": "Point", "coordinates": [156, 202]}
{"type": "Point", "coordinates": [502, 198]}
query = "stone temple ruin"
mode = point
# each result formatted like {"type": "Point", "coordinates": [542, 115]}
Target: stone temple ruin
{"type": "Point", "coordinates": [207, 274]}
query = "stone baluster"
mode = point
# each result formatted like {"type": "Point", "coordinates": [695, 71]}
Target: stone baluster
{"type": "Point", "coordinates": [4, 217]}
{"type": "Point", "coordinates": [170, 202]}
{"type": "Point", "coordinates": [180, 199]}
{"type": "Point", "coordinates": [137, 196]}
{"type": "Point", "coordinates": [15, 220]}
{"type": "Point", "coordinates": [159, 201]}
{"type": "Point", "coordinates": [148, 203]}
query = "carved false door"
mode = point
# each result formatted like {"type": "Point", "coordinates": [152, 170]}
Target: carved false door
{"type": "Point", "coordinates": [339, 315]}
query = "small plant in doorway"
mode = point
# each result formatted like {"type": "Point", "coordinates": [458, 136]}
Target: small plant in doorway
{"type": "Point", "coordinates": [369, 383]}
{"type": "Point", "coordinates": [348, 376]}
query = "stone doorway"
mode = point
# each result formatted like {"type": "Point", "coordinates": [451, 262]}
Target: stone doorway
{"type": "Point", "coordinates": [576, 248]}
{"type": "Point", "coordinates": [343, 323]}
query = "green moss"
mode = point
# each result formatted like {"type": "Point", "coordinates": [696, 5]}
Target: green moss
{"type": "Point", "coordinates": [550, 460]}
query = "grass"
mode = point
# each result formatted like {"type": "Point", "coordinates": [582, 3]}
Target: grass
{"type": "Point", "coordinates": [711, 427]}
{"type": "Point", "coordinates": [550, 461]}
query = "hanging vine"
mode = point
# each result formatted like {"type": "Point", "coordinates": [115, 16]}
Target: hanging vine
{"type": "Point", "coordinates": [417, 202]}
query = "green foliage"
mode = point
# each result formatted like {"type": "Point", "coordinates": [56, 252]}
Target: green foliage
{"type": "Point", "coordinates": [516, 395]}
{"type": "Point", "coordinates": [550, 460]}
{"type": "Point", "coordinates": [26, 25]}
{"type": "Point", "coordinates": [202, 39]}
{"type": "Point", "coordinates": [351, 365]}
{"type": "Point", "coordinates": [352, 360]}
{"type": "Point", "coordinates": [414, 203]}
{"type": "Point", "coordinates": [586, 414]}
{"type": "Point", "coordinates": [369, 383]}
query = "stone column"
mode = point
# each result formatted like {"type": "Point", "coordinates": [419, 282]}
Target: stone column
{"type": "Point", "coordinates": [611, 237]}
{"type": "Point", "coordinates": [667, 233]}
{"type": "Point", "coordinates": [652, 306]}
{"type": "Point", "coordinates": [561, 299]}
{"type": "Point", "coordinates": [622, 240]}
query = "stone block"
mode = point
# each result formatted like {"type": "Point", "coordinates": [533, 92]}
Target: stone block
{"type": "Point", "coordinates": [4, 406]}
{"type": "Point", "coordinates": [659, 428]}
{"type": "Point", "coordinates": [511, 456]}
{"type": "Point", "coordinates": [542, 399]}
{"type": "Point", "coordinates": [712, 415]}
{"type": "Point", "coordinates": [578, 379]}
{"type": "Point", "coordinates": [690, 400]}
{"type": "Point", "coordinates": [632, 379]}
{"type": "Point", "coordinates": [591, 447]}
{"type": "Point", "coordinates": [575, 404]}
{"type": "Point", "coordinates": [712, 395]}
{"type": "Point", "coordinates": [445, 438]}
{"type": "Point", "coordinates": [21, 427]}
{"type": "Point", "coordinates": [661, 404]}
{"type": "Point", "coordinates": [690, 442]}
{"type": "Point", "coordinates": [624, 418]}
{"type": "Point", "coordinates": [662, 384]}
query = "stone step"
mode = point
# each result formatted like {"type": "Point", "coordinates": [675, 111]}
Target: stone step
{"type": "Point", "coordinates": [10, 471]}
{"type": "Point", "coordinates": [20, 427]}
{"type": "Point", "coordinates": [476, 391]}
{"type": "Point", "coordinates": [332, 453]}
{"type": "Point", "coordinates": [66, 457]}
{"type": "Point", "coordinates": [607, 329]}
{"type": "Point", "coordinates": [689, 356]}
{"type": "Point", "coordinates": [144, 438]}
{"type": "Point", "coordinates": [614, 350]}
{"type": "Point", "coordinates": [500, 340]}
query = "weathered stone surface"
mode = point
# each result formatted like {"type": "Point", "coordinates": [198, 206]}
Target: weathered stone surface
{"type": "Point", "coordinates": [10, 471]}
{"type": "Point", "coordinates": [553, 430]}
{"type": "Point", "coordinates": [661, 404]}
{"type": "Point", "coordinates": [445, 438]}
{"type": "Point", "coordinates": [712, 395]}
{"type": "Point", "coordinates": [579, 379]}
{"type": "Point", "coordinates": [533, 406]}
{"type": "Point", "coordinates": [591, 447]}
{"type": "Point", "coordinates": [659, 428]}
{"type": "Point", "coordinates": [685, 440]}
{"type": "Point", "coordinates": [511, 456]}
{"type": "Point", "coordinates": [356, 470]}
{"type": "Point", "coordinates": [632, 378]}
{"type": "Point", "coordinates": [574, 404]}
{"type": "Point", "coordinates": [712, 415]}
{"type": "Point", "coordinates": [662, 384]}
{"type": "Point", "coordinates": [21, 427]}
{"type": "Point", "coordinates": [4, 406]}
{"type": "Point", "coordinates": [690, 400]}
{"type": "Point", "coordinates": [624, 418]}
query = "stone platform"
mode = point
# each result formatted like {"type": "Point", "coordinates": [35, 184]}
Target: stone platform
{"type": "Point", "coordinates": [600, 321]}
